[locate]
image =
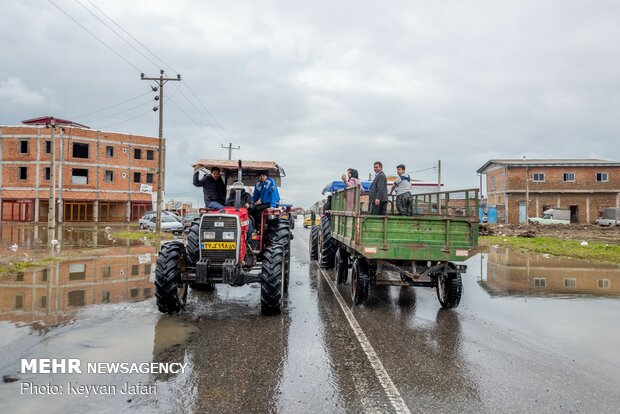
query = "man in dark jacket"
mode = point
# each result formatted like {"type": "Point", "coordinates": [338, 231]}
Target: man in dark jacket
{"type": "Point", "coordinates": [213, 188]}
{"type": "Point", "coordinates": [378, 195]}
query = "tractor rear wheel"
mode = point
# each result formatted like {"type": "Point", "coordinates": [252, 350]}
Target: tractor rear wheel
{"type": "Point", "coordinates": [342, 266]}
{"type": "Point", "coordinates": [272, 278]}
{"type": "Point", "coordinates": [314, 243]}
{"type": "Point", "coordinates": [449, 290]}
{"type": "Point", "coordinates": [328, 245]}
{"type": "Point", "coordinates": [193, 255]}
{"type": "Point", "coordinates": [360, 281]}
{"type": "Point", "coordinates": [170, 291]}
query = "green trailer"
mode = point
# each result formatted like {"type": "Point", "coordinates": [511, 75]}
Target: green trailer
{"type": "Point", "coordinates": [418, 250]}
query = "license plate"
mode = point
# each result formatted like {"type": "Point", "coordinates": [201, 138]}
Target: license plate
{"type": "Point", "coordinates": [219, 245]}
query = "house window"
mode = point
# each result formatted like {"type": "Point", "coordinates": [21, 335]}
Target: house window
{"type": "Point", "coordinates": [492, 183]}
{"type": "Point", "coordinates": [43, 301]}
{"type": "Point", "coordinates": [19, 302]}
{"type": "Point", "coordinates": [48, 147]}
{"type": "Point", "coordinates": [570, 283]}
{"type": "Point", "coordinates": [568, 177]}
{"type": "Point", "coordinates": [105, 271]}
{"type": "Point", "coordinates": [135, 270]}
{"type": "Point", "coordinates": [137, 153]}
{"type": "Point", "coordinates": [133, 292]}
{"type": "Point", "coordinates": [149, 178]}
{"type": "Point", "coordinates": [22, 173]}
{"type": "Point", "coordinates": [147, 269]}
{"type": "Point", "coordinates": [150, 154]}
{"type": "Point", "coordinates": [79, 176]}
{"type": "Point", "coordinates": [77, 271]}
{"type": "Point", "coordinates": [23, 147]}
{"type": "Point", "coordinates": [109, 151]}
{"type": "Point", "coordinates": [48, 173]}
{"type": "Point", "coordinates": [604, 283]}
{"type": "Point", "coordinates": [109, 176]}
{"type": "Point", "coordinates": [76, 298]}
{"type": "Point", "coordinates": [602, 177]}
{"type": "Point", "coordinates": [136, 177]}
{"type": "Point", "coordinates": [539, 177]}
{"type": "Point", "coordinates": [146, 292]}
{"type": "Point", "coordinates": [44, 275]}
{"type": "Point", "coordinates": [80, 150]}
{"type": "Point", "coordinates": [106, 296]}
{"type": "Point", "coordinates": [19, 277]}
{"type": "Point", "coordinates": [540, 282]}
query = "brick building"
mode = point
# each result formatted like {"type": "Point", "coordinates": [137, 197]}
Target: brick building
{"type": "Point", "coordinates": [525, 188]}
{"type": "Point", "coordinates": [99, 174]}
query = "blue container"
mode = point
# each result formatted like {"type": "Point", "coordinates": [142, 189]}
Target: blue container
{"type": "Point", "coordinates": [492, 214]}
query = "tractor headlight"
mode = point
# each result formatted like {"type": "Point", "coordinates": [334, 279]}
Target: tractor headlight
{"type": "Point", "coordinates": [228, 235]}
{"type": "Point", "coordinates": [208, 235]}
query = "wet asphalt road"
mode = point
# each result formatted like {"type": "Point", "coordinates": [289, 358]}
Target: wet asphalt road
{"type": "Point", "coordinates": [490, 355]}
{"type": "Point", "coordinates": [398, 353]}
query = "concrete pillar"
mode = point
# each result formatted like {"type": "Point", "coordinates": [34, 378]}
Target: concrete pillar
{"type": "Point", "coordinates": [96, 211]}
{"type": "Point", "coordinates": [587, 209]}
{"type": "Point", "coordinates": [537, 206]}
{"type": "Point", "coordinates": [128, 216]}
{"type": "Point", "coordinates": [558, 206]}
{"type": "Point", "coordinates": [37, 183]}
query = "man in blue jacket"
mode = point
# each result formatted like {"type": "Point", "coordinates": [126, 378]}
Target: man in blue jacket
{"type": "Point", "coordinates": [265, 196]}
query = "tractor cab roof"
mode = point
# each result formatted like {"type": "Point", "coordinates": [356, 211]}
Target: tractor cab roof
{"type": "Point", "coordinates": [251, 170]}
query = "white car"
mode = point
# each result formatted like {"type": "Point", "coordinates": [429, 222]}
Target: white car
{"type": "Point", "coordinates": [168, 223]}
{"type": "Point", "coordinates": [143, 222]}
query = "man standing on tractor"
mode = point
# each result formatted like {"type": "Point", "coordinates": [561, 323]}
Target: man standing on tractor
{"type": "Point", "coordinates": [265, 196]}
{"type": "Point", "coordinates": [378, 195]}
{"type": "Point", "coordinates": [213, 188]}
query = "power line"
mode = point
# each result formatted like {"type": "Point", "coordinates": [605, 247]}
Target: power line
{"type": "Point", "coordinates": [116, 33]}
{"type": "Point", "coordinates": [121, 112]}
{"type": "Point", "coordinates": [110, 107]}
{"type": "Point", "coordinates": [124, 122]}
{"type": "Point", "coordinates": [96, 37]}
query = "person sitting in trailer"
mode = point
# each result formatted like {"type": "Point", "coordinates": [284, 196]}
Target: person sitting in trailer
{"type": "Point", "coordinates": [265, 196]}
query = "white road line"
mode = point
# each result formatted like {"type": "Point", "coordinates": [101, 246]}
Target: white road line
{"type": "Point", "coordinates": [384, 378]}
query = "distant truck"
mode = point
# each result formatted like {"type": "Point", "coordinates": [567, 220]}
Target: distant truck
{"type": "Point", "coordinates": [610, 217]}
{"type": "Point", "coordinates": [552, 216]}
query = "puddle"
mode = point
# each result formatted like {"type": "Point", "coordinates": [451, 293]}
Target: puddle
{"type": "Point", "coordinates": [42, 297]}
{"type": "Point", "coordinates": [509, 273]}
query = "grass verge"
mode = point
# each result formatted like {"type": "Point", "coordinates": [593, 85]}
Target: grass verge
{"type": "Point", "coordinates": [558, 247]}
{"type": "Point", "coordinates": [140, 235]}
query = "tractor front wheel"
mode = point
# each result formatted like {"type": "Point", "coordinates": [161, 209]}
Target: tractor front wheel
{"type": "Point", "coordinates": [170, 290]}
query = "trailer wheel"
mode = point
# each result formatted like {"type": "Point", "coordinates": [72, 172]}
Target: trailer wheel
{"type": "Point", "coordinates": [193, 255]}
{"type": "Point", "coordinates": [272, 277]}
{"type": "Point", "coordinates": [328, 245]}
{"type": "Point", "coordinates": [449, 290]}
{"type": "Point", "coordinates": [314, 243]}
{"type": "Point", "coordinates": [170, 291]}
{"type": "Point", "coordinates": [342, 266]}
{"type": "Point", "coordinates": [359, 281]}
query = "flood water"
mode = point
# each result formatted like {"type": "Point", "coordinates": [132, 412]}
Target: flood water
{"type": "Point", "coordinates": [533, 333]}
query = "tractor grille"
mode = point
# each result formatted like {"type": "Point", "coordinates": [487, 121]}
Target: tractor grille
{"type": "Point", "coordinates": [210, 223]}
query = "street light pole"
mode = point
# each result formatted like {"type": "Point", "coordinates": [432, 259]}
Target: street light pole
{"type": "Point", "coordinates": [161, 81]}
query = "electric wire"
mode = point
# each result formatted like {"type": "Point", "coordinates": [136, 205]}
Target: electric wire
{"type": "Point", "coordinates": [115, 32]}
{"type": "Point", "coordinates": [96, 37]}
{"type": "Point", "coordinates": [110, 107]}
{"type": "Point", "coordinates": [121, 112]}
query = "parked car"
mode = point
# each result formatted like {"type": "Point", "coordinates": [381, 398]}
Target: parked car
{"type": "Point", "coordinates": [188, 218]}
{"type": "Point", "coordinates": [552, 216]}
{"type": "Point", "coordinates": [168, 223]}
{"type": "Point", "coordinates": [144, 220]}
{"type": "Point", "coordinates": [610, 217]}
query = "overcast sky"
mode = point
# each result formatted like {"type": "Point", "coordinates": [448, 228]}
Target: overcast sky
{"type": "Point", "coordinates": [325, 85]}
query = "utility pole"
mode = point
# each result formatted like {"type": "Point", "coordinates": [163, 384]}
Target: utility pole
{"type": "Point", "coordinates": [230, 149]}
{"type": "Point", "coordinates": [439, 186]}
{"type": "Point", "coordinates": [161, 81]}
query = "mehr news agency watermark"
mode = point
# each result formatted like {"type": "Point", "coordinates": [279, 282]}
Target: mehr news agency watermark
{"type": "Point", "coordinates": [75, 366]}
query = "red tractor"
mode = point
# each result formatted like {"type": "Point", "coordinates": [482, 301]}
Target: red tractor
{"type": "Point", "coordinates": [220, 248]}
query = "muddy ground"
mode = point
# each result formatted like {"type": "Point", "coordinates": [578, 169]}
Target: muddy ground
{"type": "Point", "coordinates": [590, 233]}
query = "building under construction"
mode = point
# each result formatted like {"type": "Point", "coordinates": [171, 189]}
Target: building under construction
{"type": "Point", "coordinates": [99, 176]}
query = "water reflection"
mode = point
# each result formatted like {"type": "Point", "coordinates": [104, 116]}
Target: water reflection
{"type": "Point", "coordinates": [50, 295]}
{"type": "Point", "coordinates": [506, 272]}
